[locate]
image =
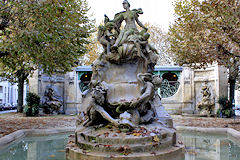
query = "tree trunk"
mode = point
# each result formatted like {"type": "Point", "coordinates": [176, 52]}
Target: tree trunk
{"type": "Point", "coordinates": [22, 76]}
{"type": "Point", "coordinates": [232, 89]}
{"type": "Point", "coordinates": [233, 74]}
{"type": "Point", "coordinates": [20, 94]}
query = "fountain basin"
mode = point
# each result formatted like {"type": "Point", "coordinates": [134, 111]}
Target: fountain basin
{"type": "Point", "coordinates": [199, 144]}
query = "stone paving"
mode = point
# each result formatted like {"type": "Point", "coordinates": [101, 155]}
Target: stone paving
{"type": "Point", "coordinates": [12, 122]}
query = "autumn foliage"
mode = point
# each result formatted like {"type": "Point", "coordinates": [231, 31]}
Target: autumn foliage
{"type": "Point", "coordinates": [205, 32]}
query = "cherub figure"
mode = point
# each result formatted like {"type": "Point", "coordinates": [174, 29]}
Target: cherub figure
{"type": "Point", "coordinates": [142, 103]}
{"type": "Point", "coordinates": [107, 34]}
{"type": "Point", "coordinates": [151, 52]}
{"type": "Point", "coordinates": [96, 110]}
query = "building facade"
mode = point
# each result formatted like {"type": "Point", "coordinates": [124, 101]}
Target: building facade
{"type": "Point", "coordinates": [190, 93]}
{"type": "Point", "coordinates": [181, 89]}
{"type": "Point", "coordinates": [8, 93]}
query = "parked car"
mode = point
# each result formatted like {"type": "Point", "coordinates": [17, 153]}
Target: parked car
{"type": "Point", "coordinates": [7, 106]}
{"type": "Point", "coordinates": [14, 106]}
{"type": "Point", "coordinates": [1, 107]}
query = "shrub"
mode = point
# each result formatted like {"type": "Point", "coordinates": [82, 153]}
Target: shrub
{"type": "Point", "coordinates": [228, 113]}
{"type": "Point", "coordinates": [226, 108]}
{"type": "Point", "coordinates": [224, 102]}
{"type": "Point", "coordinates": [219, 112]}
{"type": "Point", "coordinates": [33, 103]}
{"type": "Point", "coordinates": [32, 99]}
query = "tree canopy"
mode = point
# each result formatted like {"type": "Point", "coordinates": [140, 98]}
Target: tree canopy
{"type": "Point", "coordinates": [47, 34]}
{"type": "Point", "coordinates": [159, 39]}
{"type": "Point", "coordinates": [206, 31]}
{"type": "Point", "coordinates": [94, 49]}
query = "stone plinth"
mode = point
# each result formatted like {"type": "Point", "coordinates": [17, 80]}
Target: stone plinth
{"type": "Point", "coordinates": [152, 141]}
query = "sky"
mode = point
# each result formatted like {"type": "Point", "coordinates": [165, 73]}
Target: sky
{"type": "Point", "coordinates": [157, 12]}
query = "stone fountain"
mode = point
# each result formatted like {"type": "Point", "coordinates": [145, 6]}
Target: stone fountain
{"type": "Point", "coordinates": [124, 116]}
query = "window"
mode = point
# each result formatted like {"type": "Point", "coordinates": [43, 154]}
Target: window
{"type": "Point", "coordinates": [84, 81]}
{"type": "Point", "coordinates": [169, 85]}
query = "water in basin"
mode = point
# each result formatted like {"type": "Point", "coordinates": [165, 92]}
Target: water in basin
{"type": "Point", "coordinates": [52, 147]}
{"type": "Point", "coordinates": [200, 146]}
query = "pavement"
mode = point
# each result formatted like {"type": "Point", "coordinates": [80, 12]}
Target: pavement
{"type": "Point", "coordinates": [8, 111]}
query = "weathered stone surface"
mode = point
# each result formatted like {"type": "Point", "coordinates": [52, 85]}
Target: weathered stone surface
{"type": "Point", "coordinates": [171, 153]}
{"type": "Point", "coordinates": [124, 114]}
{"type": "Point", "coordinates": [146, 141]}
{"type": "Point", "coordinates": [51, 102]}
{"type": "Point", "coordinates": [206, 102]}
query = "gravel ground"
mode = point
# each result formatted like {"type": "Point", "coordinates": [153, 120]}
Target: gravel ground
{"type": "Point", "coordinates": [207, 122]}
{"type": "Point", "coordinates": [12, 122]}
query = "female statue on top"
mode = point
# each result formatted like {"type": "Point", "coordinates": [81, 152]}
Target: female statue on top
{"type": "Point", "coordinates": [130, 17]}
{"type": "Point", "coordinates": [127, 44]}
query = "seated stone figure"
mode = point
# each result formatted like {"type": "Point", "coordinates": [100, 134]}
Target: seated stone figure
{"type": "Point", "coordinates": [143, 103]}
{"type": "Point", "coordinates": [51, 103]}
{"type": "Point", "coordinates": [128, 44]}
{"type": "Point", "coordinates": [130, 17]}
{"type": "Point", "coordinates": [206, 105]}
{"type": "Point", "coordinates": [96, 111]}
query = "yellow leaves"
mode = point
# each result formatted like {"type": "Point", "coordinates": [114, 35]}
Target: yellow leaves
{"type": "Point", "coordinates": [61, 150]}
{"type": "Point", "coordinates": [199, 27]}
{"type": "Point", "coordinates": [136, 134]}
{"type": "Point", "coordinates": [94, 49]}
{"type": "Point", "coordinates": [211, 20]}
{"type": "Point", "coordinates": [52, 156]}
{"type": "Point", "coordinates": [156, 139]}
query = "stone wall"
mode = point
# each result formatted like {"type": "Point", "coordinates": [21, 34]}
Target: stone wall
{"type": "Point", "coordinates": [189, 92]}
{"type": "Point", "coordinates": [184, 101]}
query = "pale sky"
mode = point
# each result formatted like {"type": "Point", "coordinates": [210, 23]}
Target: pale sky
{"type": "Point", "coordinates": [158, 12]}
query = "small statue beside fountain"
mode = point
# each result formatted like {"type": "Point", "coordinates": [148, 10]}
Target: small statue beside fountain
{"type": "Point", "coordinates": [206, 105]}
{"type": "Point", "coordinates": [122, 106]}
{"type": "Point", "coordinates": [51, 103]}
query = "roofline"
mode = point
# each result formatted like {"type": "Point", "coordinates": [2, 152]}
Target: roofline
{"type": "Point", "coordinates": [157, 68]}
{"type": "Point", "coordinates": [168, 68]}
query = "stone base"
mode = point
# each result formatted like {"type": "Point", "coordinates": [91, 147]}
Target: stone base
{"type": "Point", "coordinates": [196, 115]}
{"type": "Point", "coordinates": [172, 153]}
{"type": "Point", "coordinates": [152, 141]}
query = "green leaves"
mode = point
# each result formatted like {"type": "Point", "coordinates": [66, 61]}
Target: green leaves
{"type": "Point", "coordinates": [50, 35]}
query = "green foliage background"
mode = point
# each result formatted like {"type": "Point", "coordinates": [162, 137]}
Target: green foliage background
{"type": "Point", "coordinates": [50, 35]}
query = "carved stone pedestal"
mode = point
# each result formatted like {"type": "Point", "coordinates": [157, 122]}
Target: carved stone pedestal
{"type": "Point", "coordinates": [146, 142]}
{"type": "Point", "coordinates": [124, 116]}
